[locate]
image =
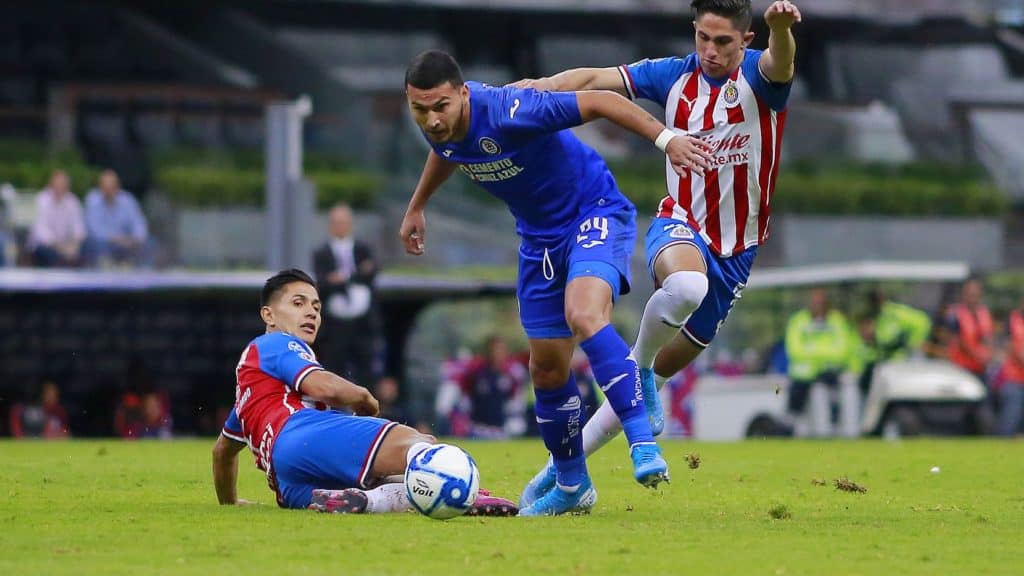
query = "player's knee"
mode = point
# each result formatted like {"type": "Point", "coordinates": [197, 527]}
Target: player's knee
{"type": "Point", "coordinates": [585, 321]}
{"type": "Point", "coordinates": [684, 291]}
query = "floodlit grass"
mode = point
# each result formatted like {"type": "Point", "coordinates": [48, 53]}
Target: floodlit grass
{"type": "Point", "coordinates": [111, 507]}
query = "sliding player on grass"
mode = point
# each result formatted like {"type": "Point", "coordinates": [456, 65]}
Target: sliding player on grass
{"type": "Point", "coordinates": [314, 457]}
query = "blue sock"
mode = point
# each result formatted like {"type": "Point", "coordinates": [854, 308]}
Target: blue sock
{"type": "Point", "coordinates": [559, 414]}
{"type": "Point", "coordinates": [619, 378]}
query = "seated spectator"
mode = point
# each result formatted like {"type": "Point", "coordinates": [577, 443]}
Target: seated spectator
{"type": "Point", "coordinates": [59, 228]}
{"type": "Point", "coordinates": [156, 418]}
{"type": "Point", "coordinates": [143, 416]}
{"type": "Point", "coordinates": [117, 230]}
{"type": "Point", "coordinates": [495, 385]}
{"type": "Point", "coordinates": [391, 408]}
{"type": "Point", "coordinates": [7, 196]}
{"type": "Point", "coordinates": [45, 419]}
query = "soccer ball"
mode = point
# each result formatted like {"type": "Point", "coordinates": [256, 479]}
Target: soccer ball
{"type": "Point", "coordinates": [442, 481]}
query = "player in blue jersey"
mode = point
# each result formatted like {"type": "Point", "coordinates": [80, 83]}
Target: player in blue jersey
{"type": "Point", "coordinates": [313, 456]}
{"type": "Point", "coordinates": [577, 234]}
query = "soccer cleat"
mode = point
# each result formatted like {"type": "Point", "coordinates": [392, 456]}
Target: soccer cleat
{"type": "Point", "coordinates": [649, 468]}
{"type": "Point", "coordinates": [652, 401]}
{"type": "Point", "coordinates": [347, 501]}
{"type": "Point", "coordinates": [557, 501]}
{"type": "Point", "coordinates": [540, 485]}
{"type": "Point", "coordinates": [487, 505]}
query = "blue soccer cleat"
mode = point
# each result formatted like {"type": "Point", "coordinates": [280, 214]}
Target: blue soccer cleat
{"type": "Point", "coordinates": [540, 485]}
{"type": "Point", "coordinates": [649, 468]}
{"type": "Point", "coordinates": [557, 501]}
{"type": "Point", "coordinates": [652, 401]}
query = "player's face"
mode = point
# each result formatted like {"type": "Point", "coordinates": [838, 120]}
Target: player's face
{"type": "Point", "coordinates": [296, 311]}
{"type": "Point", "coordinates": [441, 112]}
{"type": "Point", "coordinates": [720, 45]}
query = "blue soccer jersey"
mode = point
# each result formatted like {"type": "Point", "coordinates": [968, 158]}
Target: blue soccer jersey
{"type": "Point", "coordinates": [519, 149]}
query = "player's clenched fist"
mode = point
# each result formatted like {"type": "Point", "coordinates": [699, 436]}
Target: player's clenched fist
{"type": "Point", "coordinates": [365, 404]}
{"type": "Point", "coordinates": [781, 15]}
{"type": "Point", "coordinates": [686, 152]}
{"type": "Point", "coordinates": [412, 232]}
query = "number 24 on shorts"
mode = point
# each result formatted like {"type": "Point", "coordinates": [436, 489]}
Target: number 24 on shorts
{"type": "Point", "coordinates": [589, 232]}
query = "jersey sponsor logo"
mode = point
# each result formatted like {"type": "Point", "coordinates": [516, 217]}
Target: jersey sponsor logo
{"type": "Point", "coordinates": [729, 150]}
{"type": "Point", "coordinates": [512, 111]}
{"type": "Point", "coordinates": [491, 171]}
{"type": "Point", "coordinates": [679, 231]}
{"type": "Point", "coordinates": [730, 93]}
{"type": "Point", "coordinates": [489, 146]}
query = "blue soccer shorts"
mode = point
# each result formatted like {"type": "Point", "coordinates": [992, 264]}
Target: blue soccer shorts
{"type": "Point", "coordinates": [727, 277]}
{"type": "Point", "coordinates": [325, 449]}
{"type": "Point", "coordinates": [600, 245]}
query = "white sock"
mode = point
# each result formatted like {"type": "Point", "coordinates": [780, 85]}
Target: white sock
{"type": "Point", "coordinates": [605, 425]}
{"type": "Point", "coordinates": [601, 428]}
{"type": "Point", "coordinates": [416, 449]}
{"type": "Point", "coordinates": [666, 311]}
{"type": "Point", "coordinates": [387, 498]}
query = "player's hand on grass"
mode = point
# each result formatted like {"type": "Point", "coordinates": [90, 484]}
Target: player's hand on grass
{"type": "Point", "coordinates": [413, 232]}
{"type": "Point", "coordinates": [686, 152]}
{"type": "Point", "coordinates": [781, 15]}
{"type": "Point", "coordinates": [244, 502]}
{"type": "Point", "coordinates": [539, 84]}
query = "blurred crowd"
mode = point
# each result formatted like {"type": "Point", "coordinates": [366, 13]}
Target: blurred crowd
{"type": "Point", "coordinates": [488, 394]}
{"type": "Point", "coordinates": [106, 230]}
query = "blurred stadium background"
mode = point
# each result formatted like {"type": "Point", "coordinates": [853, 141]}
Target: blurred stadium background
{"type": "Point", "coordinates": [903, 169]}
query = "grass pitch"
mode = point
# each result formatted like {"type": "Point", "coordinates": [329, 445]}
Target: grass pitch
{"type": "Point", "coordinates": [112, 507]}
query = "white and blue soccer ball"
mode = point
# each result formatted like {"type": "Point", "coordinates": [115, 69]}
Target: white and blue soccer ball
{"type": "Point", "coordinates": [442, 481]}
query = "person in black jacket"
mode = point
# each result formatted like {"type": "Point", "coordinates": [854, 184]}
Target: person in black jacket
{"type": "Point", "coordinates": [345, 270]}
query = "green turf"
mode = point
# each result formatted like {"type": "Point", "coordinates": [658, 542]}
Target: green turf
{"type": "Point", "coordinates": [111, 507]}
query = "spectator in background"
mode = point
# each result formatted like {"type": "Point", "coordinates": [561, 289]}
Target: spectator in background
{"type": "Point", "coordinates": [117, 230]}
{"type": "Point", "coordinates": [970, 331]}
{"type": "Point", "coordinates": [1011, 388]}
{"type": "Point", "coordinates": [387, 392]}
{"type": "Point", "coordinates": [59, 228]}
{"type": "Point", "coordinates": [143, 415]}
{"type": "Point", "coordinates": [495, 384]}
{"type": "Point", "coordinates": [45, 419]}
{"type": "Point", "coordinates": [345, 271]}
{"type": "Point", "coordinates": [890, 331]}
{"type": "Point", "coordinates": [7, 197]}
{"type": "Point", "coordinates": [820, 346]}
{"type": "Point", "coordinates": [156, 417]}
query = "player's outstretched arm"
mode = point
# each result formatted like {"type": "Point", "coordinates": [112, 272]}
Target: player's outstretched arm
{"type": "Point", "coordinates": [225, 469]}
{"type": "Point", "coordinates": [685, 152]}
{"type": "Point", "coordinates": [414, 226]}
{"type": "Point", "coordinates": [577, 79]}
{"type": "Point", "coordinates": [338, 392]}
{"type": "Point", "coordinates": [777, 61]}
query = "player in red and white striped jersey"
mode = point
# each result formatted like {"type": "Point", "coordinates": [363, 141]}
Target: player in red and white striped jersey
{"type": "Point", "coordinates": [729, 103]}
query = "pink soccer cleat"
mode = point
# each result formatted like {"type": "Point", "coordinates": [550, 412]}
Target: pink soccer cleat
{"type": "Point", "coordinates": [487, 505]}
{"type": "Point", "coordinates": [347, 501]}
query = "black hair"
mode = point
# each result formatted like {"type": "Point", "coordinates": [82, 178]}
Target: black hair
{"type": "Point", "coordinates": [431, 69]}
{"type": "Point", "coordinates": [738, 11]}
{"type": "Point", "coordinates": [278, 281]}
